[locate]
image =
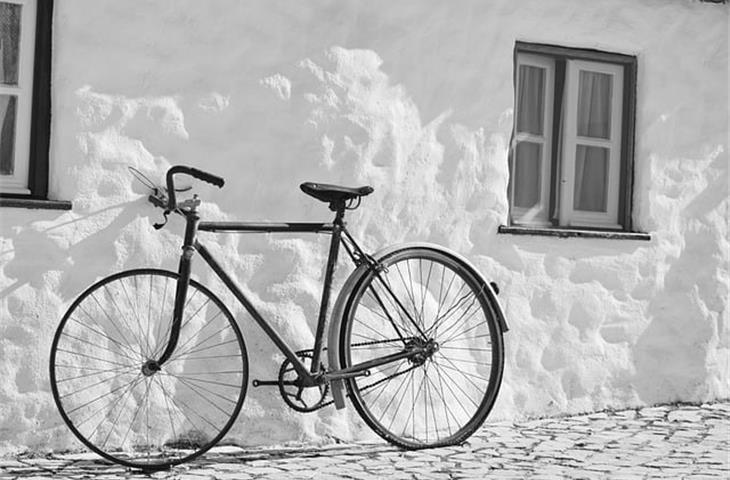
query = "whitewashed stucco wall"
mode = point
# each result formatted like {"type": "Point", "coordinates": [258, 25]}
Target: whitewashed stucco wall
{"type": "Point", "coordinates": [415, 98]}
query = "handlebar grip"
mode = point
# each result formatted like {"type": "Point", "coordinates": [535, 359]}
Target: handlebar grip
{"type": "Point", "coordinates": [193, 172]}
{"type": "Point", "coordinates": [207, 177]}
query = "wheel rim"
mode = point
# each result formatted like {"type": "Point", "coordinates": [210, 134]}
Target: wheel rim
{"type": "Point", "coordinates": [110, 390]}
{"type": "Point", "coordinates": [441, 396]}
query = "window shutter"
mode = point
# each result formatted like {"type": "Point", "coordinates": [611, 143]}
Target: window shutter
{"type": "Point", "coordinates": [534, 90]}
{"type": "Point", "coordinates": [591, 168]}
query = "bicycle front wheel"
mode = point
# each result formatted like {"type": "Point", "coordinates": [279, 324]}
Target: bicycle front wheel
{"type": "Point", "coordinates": [424, 298]}
{"type": "Point", "coordinates": [126, 411]}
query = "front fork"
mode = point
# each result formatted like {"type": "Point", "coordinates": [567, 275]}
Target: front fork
{"type": "Point", "coordinates": [186, 259]}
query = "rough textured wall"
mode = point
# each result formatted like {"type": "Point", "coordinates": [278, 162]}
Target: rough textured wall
{"type": "Point", "coordinates": [414, 98]}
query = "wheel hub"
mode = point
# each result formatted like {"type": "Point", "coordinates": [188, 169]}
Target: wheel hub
{"type": "Point", "coordinates": [150, 367]}
{"type": "Point", "coordinates": [426, 349]}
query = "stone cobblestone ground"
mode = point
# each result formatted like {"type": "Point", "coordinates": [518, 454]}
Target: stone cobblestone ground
{"type": "Point", "coordinates": [679, 441]}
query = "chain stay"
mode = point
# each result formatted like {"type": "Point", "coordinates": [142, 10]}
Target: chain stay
{"type": "Point", "coordinates": [374, 342]}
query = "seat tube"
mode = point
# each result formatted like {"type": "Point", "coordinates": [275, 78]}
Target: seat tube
{"type": "Point", "coordinates": [184, 268]}
{"type": "Point", "coordinates": [338, 226]}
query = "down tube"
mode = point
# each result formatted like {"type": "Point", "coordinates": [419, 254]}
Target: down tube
{"type": "Point", "coordinates": [273, 334]}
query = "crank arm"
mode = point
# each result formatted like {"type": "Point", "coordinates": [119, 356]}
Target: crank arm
{"type": "Point", "coordinates": [266, 383]}
{"type": "Point", "coordinates": [273, 383]}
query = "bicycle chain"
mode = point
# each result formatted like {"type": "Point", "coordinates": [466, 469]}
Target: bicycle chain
{"type": "Point", "coordinates": [375, 342]}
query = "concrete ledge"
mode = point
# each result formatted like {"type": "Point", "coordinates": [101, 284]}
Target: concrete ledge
{"type": "Point", "coordinates": [35, 203]}
{"type": "Point", "coordinates": [567, 232]}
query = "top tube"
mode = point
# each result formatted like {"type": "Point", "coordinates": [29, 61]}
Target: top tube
{"type": "Point", "coordinates": [265, 227]}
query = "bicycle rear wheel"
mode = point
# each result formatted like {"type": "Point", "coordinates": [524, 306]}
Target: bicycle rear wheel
{"type": "Point", "coordinates": [119, 407]}
{"type": "Point", "coordinates": [427, 298]}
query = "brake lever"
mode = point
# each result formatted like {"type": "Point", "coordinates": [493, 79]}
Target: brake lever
{"type": "Point", "coordinates": [159, 201]}
{"type": "Point", "coordinates": [158, 226]}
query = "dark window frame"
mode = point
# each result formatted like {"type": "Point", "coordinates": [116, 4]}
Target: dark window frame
{"type": "Point", "coordinates": [628, 131]}
{"type": "Point", "coordinates": [40, 127]}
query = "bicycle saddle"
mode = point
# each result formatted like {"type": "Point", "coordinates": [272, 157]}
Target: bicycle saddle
{"type": "Point", "coordinates": [334, 193]}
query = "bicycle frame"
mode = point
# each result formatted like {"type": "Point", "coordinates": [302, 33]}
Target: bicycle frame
{"type": "Point", "coordinates": [336, 229]}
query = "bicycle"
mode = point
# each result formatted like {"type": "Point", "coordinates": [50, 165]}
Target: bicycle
{"type": "Point", "coordinates": [149, 369]}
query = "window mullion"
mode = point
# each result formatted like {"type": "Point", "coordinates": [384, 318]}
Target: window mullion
{"type": "Point", "coordinates": [569, 142]}
{"type": "Point", "coordinates": [557, 143]}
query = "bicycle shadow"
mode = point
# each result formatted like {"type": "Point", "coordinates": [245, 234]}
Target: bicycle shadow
{"type": "Point", "coordinates": [46, 247]}
{"type": "Point", "coordinates": [224, 458]}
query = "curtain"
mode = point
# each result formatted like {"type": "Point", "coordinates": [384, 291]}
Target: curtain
{"type": "Point", "coordinates": [591, 179]}
{"type": "Point", "coordinates": [9, 46]}
{"type": "Point", "coordinates": [7, 134]}
{"type": "Point", "coordinates": [591, 162]}
{"type": "Point", "coordinates": [594, 105]}
{"type": "Point", "coordinates": [9, 42]}
{"type": "Point", "coordinates": [528, 155]}
{"type": "Point", "coordinates": [530, 99]}
{"type": "Point", "coordinates": [528, 173]}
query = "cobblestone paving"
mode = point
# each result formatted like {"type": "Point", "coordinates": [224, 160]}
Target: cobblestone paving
{"type": "Point", "coordinates": [681, 441]}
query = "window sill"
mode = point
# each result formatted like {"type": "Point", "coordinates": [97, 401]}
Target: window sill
{"type": "Point", "coordinates": [567, 232]}
{"type": "Point", "coordinates": [35, 204]}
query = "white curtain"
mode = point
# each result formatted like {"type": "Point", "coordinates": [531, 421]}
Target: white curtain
{"type": "Point", "coordinates": [591, 162]}
{"type": "Point", "coordinates": [591, 179]}
{"type": "Point", "coordinates": [528, 155]}
{"type": "Point", "coordinates": [9, 42]}
{"type": "Point", "coordinates": [530, 98]}
{"type": "Point", "coordinates": [527, 171]}
{"type": "Point", "coordinates": [7, 134]}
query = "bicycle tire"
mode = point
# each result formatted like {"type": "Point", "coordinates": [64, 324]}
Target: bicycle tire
{"type": "Point", "coordinates": [456, 386]}
{"type": "Point", "coordinates": [115, 405]}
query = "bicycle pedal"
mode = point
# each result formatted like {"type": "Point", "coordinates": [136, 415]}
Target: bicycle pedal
{"type": "Point", "coordinates": [265, 383]}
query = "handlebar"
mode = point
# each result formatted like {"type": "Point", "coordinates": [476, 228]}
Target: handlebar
{"type": "Point", "coordinates": [193, 172]}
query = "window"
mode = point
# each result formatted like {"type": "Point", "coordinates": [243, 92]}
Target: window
{"type": "Point", "coordinates": [572, 147]}
{"type": "Point", "coordinates": [25, 47]}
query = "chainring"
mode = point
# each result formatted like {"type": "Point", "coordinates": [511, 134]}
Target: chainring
{"type": "Point", "coordinates": [301, 399]}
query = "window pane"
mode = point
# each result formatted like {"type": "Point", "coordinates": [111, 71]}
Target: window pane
{"type": "Point", "coordinates": [9, 42]}
{"type": "Point", "coordinates": [528, 174]}
{"type": "Point", "coordinates": [591, 179]}
{"type": "Point", "coordinates": [594, 104]}
{"type": "Point", "coordinates": [7, 134]}
{"type": "Point", "coordinates": [530, 99]}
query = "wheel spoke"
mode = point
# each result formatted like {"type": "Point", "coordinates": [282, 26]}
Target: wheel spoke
{"type": "Point", "coordinates": [198, 350]}
{"type": "Point", "coordinates": [114, 324]}
{"type": "Point", "coordinates": [96, 372]}
{"type": "Point", "coordinates": [88, 387]}
{"type": "Point", "coordinates": [93, 357]}
{"type": "Point", "coordinates": [461, 371]}
{"type": "Point", "coordinates": [95, 345]}
{"type": "Point", "coordinates": [129, 386]}
{"type": "Point", "coordinates": [104, 335]}
{"type": "Point", "coordinates": [400, 305]}
{"type": "Point", "coordinates": [123, 317]}
{"type": "Point", "coordinates": [180, 348]}
{"type": "Point", "coordinates": [161, 341]}
{"type": "Point", "coordinates": [400, 402]}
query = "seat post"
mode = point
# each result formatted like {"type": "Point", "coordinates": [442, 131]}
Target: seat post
{"type": "Point", "coordinates": [338, 225]}
{"type": "Point", "coordinates": [338, 207]}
